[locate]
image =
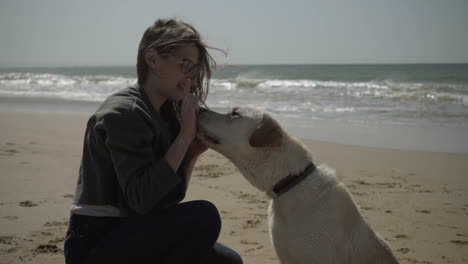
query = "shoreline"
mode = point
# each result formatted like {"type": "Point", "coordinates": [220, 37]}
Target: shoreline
{"type": "Point", "coordinates": [424, 137]}
{"type": "Point", "coordinates": [416, 200]}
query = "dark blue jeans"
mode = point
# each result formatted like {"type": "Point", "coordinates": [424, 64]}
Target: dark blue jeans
{"type": "Point", "coordinates": [184, 233]}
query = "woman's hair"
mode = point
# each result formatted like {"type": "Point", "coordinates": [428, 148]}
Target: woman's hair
{"type": "Point", "coordinates": [166, 35]}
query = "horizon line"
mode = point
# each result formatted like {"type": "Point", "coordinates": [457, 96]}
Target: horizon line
{"type": "Point", "coordinates": [254, 64]}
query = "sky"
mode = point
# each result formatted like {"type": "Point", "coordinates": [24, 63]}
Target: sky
{"type": "Point", "coordinates": [56, 33]}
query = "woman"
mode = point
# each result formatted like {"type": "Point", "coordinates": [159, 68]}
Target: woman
{"type": "Point", "coordinates": [139, 151]}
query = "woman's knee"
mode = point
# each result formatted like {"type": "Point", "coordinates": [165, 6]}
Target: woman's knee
{"type": "Point", "coordinates": [221, 254]}
{"type": "Point", "coordinates": [206, 215]}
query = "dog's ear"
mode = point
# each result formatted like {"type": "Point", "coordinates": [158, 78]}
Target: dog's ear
{"type": "Point", "coordinates": [267, 134]}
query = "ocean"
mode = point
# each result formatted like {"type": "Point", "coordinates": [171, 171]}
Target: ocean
{"type": "Point", "coordinates": [408, 106]}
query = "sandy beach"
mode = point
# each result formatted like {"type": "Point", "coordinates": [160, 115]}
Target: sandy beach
{"type": "Point", "coordinates": [418, 201]}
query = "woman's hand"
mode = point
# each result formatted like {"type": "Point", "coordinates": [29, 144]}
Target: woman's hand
{"type": "Point", "coordinates": [196, 148]}
{"type": "Point", "coordinates": [188, 113]}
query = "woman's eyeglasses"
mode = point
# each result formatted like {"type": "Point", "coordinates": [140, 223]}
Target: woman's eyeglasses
{"type": "Point", "coordinates": [186, 65]}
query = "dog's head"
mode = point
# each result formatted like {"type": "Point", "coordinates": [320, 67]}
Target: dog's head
{"type": "Point", "coordinates": [242, 129]}
{"type": "Point", "coordinates": [254, 142]}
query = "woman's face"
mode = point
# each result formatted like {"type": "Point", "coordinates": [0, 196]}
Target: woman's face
{"type": "Point", "coordinates": [175, 70]}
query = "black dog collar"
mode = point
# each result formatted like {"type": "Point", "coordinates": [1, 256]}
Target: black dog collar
{"type": "Point", "coordinates": [290, 181]}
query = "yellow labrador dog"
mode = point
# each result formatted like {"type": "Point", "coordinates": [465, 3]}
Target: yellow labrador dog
{"type": "Point", "coordinates": [312, 217]}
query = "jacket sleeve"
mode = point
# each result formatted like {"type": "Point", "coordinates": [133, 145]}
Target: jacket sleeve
{"type": "Point", "coordinates": [143, 178]}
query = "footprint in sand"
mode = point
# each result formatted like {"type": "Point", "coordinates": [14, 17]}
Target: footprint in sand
{"type": "Point", "coordinates": [56, 223]}
{"type": "Point", "coordinates": [362, 182]}
{"type": "Point", "coordinates": [402, 236]}
{"type": "Point", "coordinates": [251, 198]}
{"type": "Point", "coordinates": [460, 242]}
{"type": "Point", "coordinates": [206, 167]}
{"type": "Point", "coordinates": [423, 211]}
{"type": "Point", "coordinates": [27, 204]}
{"type": "Point", "coordinates": [425, 191]}
{"type": "Point", "coordinates": [8, 240]}
{"type": "Point", "coordinates": [417, 187]}
{"type": "Point", "coordinates": [211, 175]}
{"type": "Point", "coordinates": [451, 227]}
{"type": "Point", "coordinates": [388, 185]}
{"type": "Point", "coordinates": [403, 250]}
{"type": "Point", "coordinates": [47, 233]}
{"type": "Point", "coordinates": [208, 171]}
{"type": "Point", "coordinates": [253, 249]}
{"type": "Point", "coordinates": [251, 223]}
{"type": "Point", "coordinates": [245, 242]}
{"type": "Point", "coordinates": [47, 248]}
{"type": "Point", "coordinates": [11, 217]}
{"type": "Point", "coordinates": [8, 244]}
